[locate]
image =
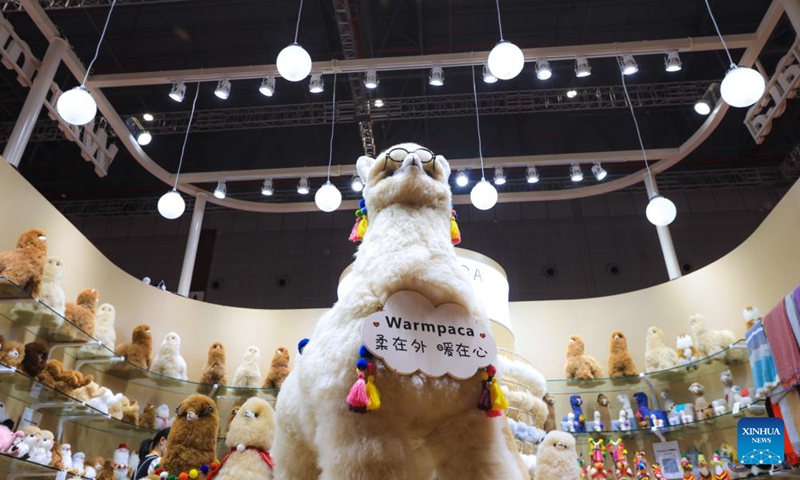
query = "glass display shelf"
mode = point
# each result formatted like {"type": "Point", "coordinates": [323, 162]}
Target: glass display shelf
{"type": "Point", "coordinates": [13, 468]}
{"type": "Point", "coordinates": [698, 427]}
{"type": "Point", "coordinates": [734, 355]}
{"type": "Point", "coordinates": [17, 306]}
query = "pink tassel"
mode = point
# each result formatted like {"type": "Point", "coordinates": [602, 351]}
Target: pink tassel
{"type": "Point", "coordinates": [358, 398]}
{"type": "Point", "coordinates": [354, 233]}
{"type": "Point", "coordinates": [493, 413]}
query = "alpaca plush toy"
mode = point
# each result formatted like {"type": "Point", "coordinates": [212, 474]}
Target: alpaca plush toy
{"type": "Point", "coordinates": [66, 381]}
{"type": "Point", "coordinates": [104, 399]}
{"type": "Point", "coordinates": [248, 374]}
{"type": "Point", "coordinates": [11, 353]}
{"type": "Point", "coordinates": [140, 351]}
{"type": "Point", "coordinates": [550, 423]}
{"type": "Point", "coordinates": [130, 412]}
{"type": "Point", "coordinates": [35, 358]}
{"type": "Point", "coordinates": [687, 353]}
{"type": "Point", "coordinates": [726, 377]}
{"type": "Point", "coordinates": [192, 441]}
{"type": "Point", "coordinates": [214, 371]}
{"type": "Point", "coordinates": [578, 419]}
{"type": "Point", "coordinates": [625, 404]}
{"type": "Point", "coordinates": [522, 373]}
{"type": "Point", "coordinates": [24, 266]}
{"type": "Point", "coordinates": [407, 246]}
{"type": "Point", "coordinates": [80, 314]}
{"type": "Point", "coordinates": [104, 332]}
{"type": "Point", "coordinates": [121, 456]}
{"type": "Point", "coordinates": [620, 363]}
{"type": "Point", "coordinates": [556, 458]}
{"type": "Point", "coordinates": [65, 449]}
{"type": "Point", "coordinates": [702, 408]}
{"type": "Point", "coordinates": [87, 392]}
{"type": "Point", "coordinates": [647, 417]}
{"type": "Point", "coordinates": [580, 366]}
{"type": "Point", "coordinates": [148, 417]}
{"type": "Point", "coordinates": [249, 439]}
{"type": "Point", "coordinates": [168, 361]}
{"type": "Point", "coordinates": [278, 369]}
{"type": "Point", "coordinates": [162, 417]}
{"type": "Point", "coordinates": [657, 355]}
{"type": "Point", "coordinates": [602, 407]}
{"type": "Point", "coordinates": [709, 341]}
{"type": "Point", "coordinates": [51, 294]}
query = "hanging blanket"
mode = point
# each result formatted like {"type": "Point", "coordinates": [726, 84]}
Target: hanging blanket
{"type": "Point", "coordinates": [793, 299]}
{"type": "Point", "coordinates": [784, 347]}
{"type": "Point", "coordinates": [783, 411]}
{"type": "Point", "coordinates": [762, 365]}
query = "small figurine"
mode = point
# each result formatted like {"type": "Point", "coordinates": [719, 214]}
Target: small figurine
{"type": "Point", "coordinates": [687, 468]}
{"type": "Point", "coordinates": [579, 420]}
{"type": "Point", "coordinates": [640, 463]}
{"type": "Point", "coordinates": [719, 471]}
{"type": "Point", "coordinates": [597, 471]}
{"type": "Point", "coordinates": [658, 474]}
{"type": "Point", "coordinates": [619, 456]}
{"type": "Point", "coordinates": [702, 464]}
{"type": "Point", "coordinates": [598, 425]}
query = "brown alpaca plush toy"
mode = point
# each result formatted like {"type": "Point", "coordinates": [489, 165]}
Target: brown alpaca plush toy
{"type": "Point", "coordinates": [24, 265]}
{"type": "Point", "coordinates": [550, 423]}
{"type": "Point", "coordinates": [35, 358]}
{"type": "Point", "coordinates": [107, 472]}
{"type": "Point", "coordinates": [620, 363]}
{"type": "Point", "coordinates": [192, 439]}
{"type": "Point", "coordinates": [602, 407]}
{"type": "Point", "coordinates": [66, 381]}
{"type": "Point", "coordinates": [11, 353]}
{"type": "Point", "coordinates": [140, 351]}
{"type": "Point", "coordinates": [214, 372]}
{"type": "Point", "coordinates": [580, 366]}
{"type": "Point", "coordinates": [148, 417]}
{"type": "Point", "coordinates": [278, 369]}
{"type": "Point", "coordinates": [81, 313]}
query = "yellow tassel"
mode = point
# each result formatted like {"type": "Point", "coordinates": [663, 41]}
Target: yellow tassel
{"type": "Point", "coordinates": [455, 234]}
{"type": "Point", "coordinates": [499, 401]}
{"type": "Point", "coordinates": [373, 394]}
{"type": "Point", "coordinates": [362, 227]}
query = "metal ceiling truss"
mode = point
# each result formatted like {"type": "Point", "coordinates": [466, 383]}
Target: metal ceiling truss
{"type": "Point", "coordinates": [752, 43]}
{"type": "Point", "coordinates": [678, 94]}
{"type": "Point", "coordinates": [16, 5]}
{"type": "Point", "coordinates": [92, 139]}
{"type": "Point", "coordinates": [756, 177]}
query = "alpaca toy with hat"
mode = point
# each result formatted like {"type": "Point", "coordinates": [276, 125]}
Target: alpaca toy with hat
{"type": "Point", "coordinates": [395, 370]}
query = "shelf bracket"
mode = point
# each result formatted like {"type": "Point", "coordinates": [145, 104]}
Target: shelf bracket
{"type": "Point", "coordinates": [56, 346]}
{"type": "Point", "coordinates": [6, 369]}
{"type": "Point", "coordinates": [68, 418]}
{"type": "Point", "coordinates": [61, 404]}
{"type": "Point", "coordinates": [657, 432]}
{"type": "Point", "coordinates": [89, 361]}
{"type": "Point", "coordinates": [213, 391]}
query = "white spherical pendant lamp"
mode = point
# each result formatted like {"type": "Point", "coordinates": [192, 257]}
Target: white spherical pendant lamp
{"type": "Point", "coordinates": [171, 205]}
{"type": "Point", "coordinates": [505, 60]}
{"type": "Point", "coordinates": [328, 197]}
{"type": "Point", "coordinates": [294, 63]}
{"type": "Point", "coordinates": [483, 195]}
{"type": "Point", "coordinates": [76, 106]}
{"type": "Point", "coordinates": [661, 211]}
{"type": "Point", "coordinates": [742, 87]}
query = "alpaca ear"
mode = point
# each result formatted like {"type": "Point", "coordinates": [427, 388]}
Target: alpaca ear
{"type": "Point", "coordinates": [363, 165]}
{"type": "Point", "coordinates": [441, 161]}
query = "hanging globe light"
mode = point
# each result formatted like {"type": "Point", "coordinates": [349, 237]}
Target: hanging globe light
{"type": "Point", "coordinates": [76, 106]}
{"type": "Point", "coordinates": [742, 86]}
{"type": "Point", "coordinates": [483, 195]}
{"type": "Point", "coordinates": [328, 197]}
{"type": "Point", "coordinates": [505, 60]}
{"type": "Point", "coordinates": [661, 211]}
{"type": "Point", "coordinates": [294, 63]}
{"type": "Point", "coordinates": [171, 205]}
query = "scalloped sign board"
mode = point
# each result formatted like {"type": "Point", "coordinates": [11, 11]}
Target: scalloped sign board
{"type": "Point", "coordinates": [410, 334]}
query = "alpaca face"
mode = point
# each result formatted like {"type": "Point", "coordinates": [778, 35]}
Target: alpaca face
{"type": "Point", "coordinates": [252, 353]}
{"type": "Point", "coordinates": [66, 450]}
{"type": "Point", "coordinates": [53, 269]}
{"type": "Point", "coordinates": [172, 340]}
{"type": "Point", "coordinates": [195, 407]}
{"type": "Point", "coordinates": [697, 388]}
{"type": "Point", "coordinates": [106, 309]}
{"type": "Point", "coordinates": [655, 333]}
{"type": "Point", "coordinates": [33, 237]}
{"type": "Point", "coordinates": [142, 333]}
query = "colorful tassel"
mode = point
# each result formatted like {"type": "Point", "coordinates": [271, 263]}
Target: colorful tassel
{"type": "Point", "coordinates": [358, 399]}
{"type": "Point", "coordinates": [373, 395]}
{"type": "Point", "coordinates": [455, 234]}
{"type": "Point", "coordinates": [484, 402]}
{"type": "Point", "coordinates": [362, 228]}
{"type": "Point", "coordinates": [499, 401]}
{"type": "Point", "coordinates": [492, 400]}
{"type": "Point", "coordinates": [354, 233]}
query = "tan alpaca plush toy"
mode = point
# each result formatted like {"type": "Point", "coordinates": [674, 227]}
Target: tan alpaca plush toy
{"type": "Point", "coordinates": [657, 355]}
{"type": "Point", "coordinates": [81, 315]}
{"type": "Point", "coordinates": [140, 351]}
{"type": "Point", "coordinates": [279, 369]}
{"type": "Point", "coordinates": [620, 362]}
{"type": "Point", "coordinates": [24, 265]}
{"type": "Point", "coordinates": [580, 366]}
{"type": "Point", "coordinates": [407, 246]}
{"type": "Point", "coordinates": [214, 371]}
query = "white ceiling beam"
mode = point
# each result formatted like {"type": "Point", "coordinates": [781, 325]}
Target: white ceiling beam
{"type": "Point", "coordinates": [413, 62]}
{"type": "Point", "coordinates": [455, 164]}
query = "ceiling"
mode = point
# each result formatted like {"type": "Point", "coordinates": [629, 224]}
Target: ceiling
{"type": "Point", "coordinates": [152, 35]}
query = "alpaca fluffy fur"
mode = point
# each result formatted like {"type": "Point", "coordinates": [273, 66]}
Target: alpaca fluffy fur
{"type": "Point", "coordinates": [253, 426]}
{"type": "Point", "coordinates": [525, 402]}
{"type": "Point", "coordinates": [35, 358]}
{"type": "Point", "coordinates": [80, 314]}
{"type": "Point", "coordinates": [406, 247]}
{"type": "Point", "coordinates": [52, 294]}
{"type": "Point", "coordinates": [104, 332]}
{"type": "Point", "coordinates": [620, 362]}
{"type": "Point", "coordinates": [579, 365]}
{"type": "Point", "coordinates": [556, 458]}
{"type": "Point", "coordinates": [657, 355]}
{"type": "Point", "coordinates": [523, 373]}
{"type": "Point", "coordinates": [278, 369]}
{"type": "Point", "coordinates": [66, 381]}
{"type": "Point", "coordinates": [140, 351]}
{"type": "Point", "coordinates": [148, 417]}
{"type": "Point", "coordinates": [214, 371]}
{"type": "Point", "coordinates": [248, 374]}
{"type": "Point", "coordinates": [168, 361]}
{"type": "Point", "coordinates": [193, 437]}
{"type": "Point", "coordinates": [24, 265]}
{"type": "Point", "coordinates": [550, 423]}
{"type": "Point", "coordinates": [12, 353]}
{"type": "Point", "coordinates": [708, 342]}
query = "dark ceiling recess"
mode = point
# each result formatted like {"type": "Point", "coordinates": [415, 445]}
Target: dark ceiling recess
{"type": "Point", "coordinates": [250, 131]}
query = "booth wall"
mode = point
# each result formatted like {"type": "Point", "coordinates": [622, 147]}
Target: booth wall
{"type": "Point", "coordinates": [759, 272]}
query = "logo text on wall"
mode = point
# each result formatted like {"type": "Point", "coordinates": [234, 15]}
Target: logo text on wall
{"type": "Point", "coordinates": [760, 441]}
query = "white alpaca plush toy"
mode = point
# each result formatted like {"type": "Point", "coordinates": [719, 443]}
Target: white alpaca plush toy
{"type": "Point", "coordinates": [406, 246]}
{"type": "Point", "coordinates": [657, 355]}
{"type": "Point", "coordinates": [52, 294]}
{"type": "Point", "coordinates": [709, 341]}
{"type": "Point", "coordinates": [77, 463]}
{"type": "Point", "coordinates": [104, 319]}
{"type": "Point", "coordinates": [66, 456]}
{"type": "Point", "coordinates": [104, 399]}
{"type": "Point", "coordinates": [168, 361]}
{"type": "Point", "coordinates": [248, 373]}
{"type": "Point", "coordinates": [556, 458]}
{"type": "Point", "coordinates": [687, 352]}
{"type": "Point", "coordinates": [121, 455]}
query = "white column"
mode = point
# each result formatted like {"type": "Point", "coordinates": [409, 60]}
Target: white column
{"type": "Point", "coordinates": [33, 102]}
{"type": "Point", "coordinates": [664, 237]}
{"type": "Point", "coordinates": [191, 245]}
{"type": "Point", "coordinates": [792, 8]}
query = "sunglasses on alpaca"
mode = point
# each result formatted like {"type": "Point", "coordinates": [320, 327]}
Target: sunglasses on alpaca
{"type": "Point", "coordinates": [399, 154]}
